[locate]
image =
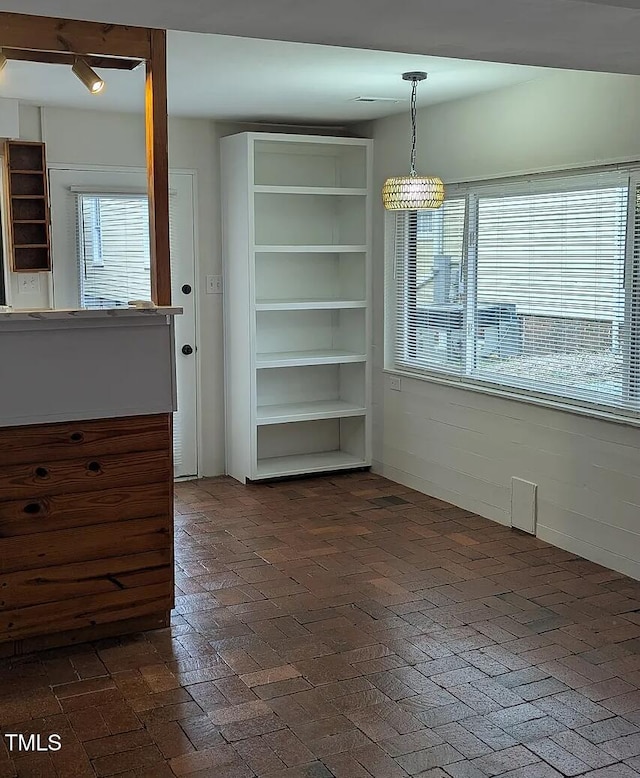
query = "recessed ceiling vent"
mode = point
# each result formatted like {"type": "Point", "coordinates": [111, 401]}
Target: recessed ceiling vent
{"type": "Point", "coordinates": [377, 100]}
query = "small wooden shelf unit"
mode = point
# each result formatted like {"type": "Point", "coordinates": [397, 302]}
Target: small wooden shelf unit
{"type": "Point", "coordinates": [28, 206]}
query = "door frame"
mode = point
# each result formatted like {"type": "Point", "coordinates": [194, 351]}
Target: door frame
{"type": "Point", "coordinates": [87, 168]}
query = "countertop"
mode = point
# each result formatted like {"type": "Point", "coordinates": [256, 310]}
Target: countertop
{"type": "Point", "coordinates": [86, 313]}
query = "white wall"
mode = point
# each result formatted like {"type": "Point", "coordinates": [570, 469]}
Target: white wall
{"type": "Point", "coordinates": [109, 139]}
{"type": "Point", "coordinates": [464, 446]}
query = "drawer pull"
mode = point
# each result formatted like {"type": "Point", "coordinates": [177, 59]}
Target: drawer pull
{"type": "Point", "coordinates": [32, 507]}
{"type": "Point", "coordinates": [42, 472]}
{"type": "Point", "coordinates": [76, 437]}
{"type": "Point", "coordinates": [95, 467]}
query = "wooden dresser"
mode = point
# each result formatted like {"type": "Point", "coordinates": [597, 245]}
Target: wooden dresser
{"type": "Point", "coordinates": [86, 530]}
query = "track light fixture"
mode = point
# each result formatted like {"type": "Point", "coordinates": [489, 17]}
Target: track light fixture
{"type": "Point", "coordinates": [88, 76]}
{"type": "Point", "coordinates": [3, 61]}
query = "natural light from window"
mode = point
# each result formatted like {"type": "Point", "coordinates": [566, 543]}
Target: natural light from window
{"type": "Point", "coordinates": [526, 285]}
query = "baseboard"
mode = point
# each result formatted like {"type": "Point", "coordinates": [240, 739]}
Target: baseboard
{"type": "Point", "coordinates": [601, 556]}
{"type": "Point", "coordinates": [573, 545]}
{"type": "Point", "coordinates": [458, 499]}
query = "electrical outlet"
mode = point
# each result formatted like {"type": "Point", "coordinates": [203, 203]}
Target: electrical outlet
{"type": "Point", "coordinates": [29, 283]}
{"type": "Point", "coordinates": [214, 284]}
{"type": "Point", "coordinates": [395, 383]}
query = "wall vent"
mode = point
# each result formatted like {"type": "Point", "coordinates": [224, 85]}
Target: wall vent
{"type": "Point", "coordinates": [524, 505]}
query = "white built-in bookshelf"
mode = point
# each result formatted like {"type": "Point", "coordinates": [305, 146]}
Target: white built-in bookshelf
{"type": "Point", "coordinates": [296, 235]}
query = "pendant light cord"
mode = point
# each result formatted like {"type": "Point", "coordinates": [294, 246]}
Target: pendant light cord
{"type": "Point", "coordinates": [414, 87]}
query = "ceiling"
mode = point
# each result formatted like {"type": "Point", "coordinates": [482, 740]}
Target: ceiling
{"type": "Point", "coordinates": [247, 79]}
{"type": "Point", "coordinates": [576, 34]}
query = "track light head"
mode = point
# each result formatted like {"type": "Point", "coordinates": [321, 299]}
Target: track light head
{"type": "Point", "coordinates": [88, 76]}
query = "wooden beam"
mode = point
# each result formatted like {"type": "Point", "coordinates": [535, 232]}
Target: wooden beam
{"type": "Point", "coordinates": [96, 39]}
{"type": "Point", "coordinates": [63, 58]}
{"type": "Point", "coordinates": [22, 31]}
{"type": "Point", "coordinates": [158, 168]}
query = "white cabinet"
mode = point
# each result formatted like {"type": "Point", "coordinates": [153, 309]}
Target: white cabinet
{"type": "Point", "coordinates": [296, 235]}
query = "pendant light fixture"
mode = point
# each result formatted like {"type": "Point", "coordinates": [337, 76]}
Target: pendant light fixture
{"type": "Point", "coordinates": [88, 76]}
{"type": "Point", "coordinates": [413, 192]}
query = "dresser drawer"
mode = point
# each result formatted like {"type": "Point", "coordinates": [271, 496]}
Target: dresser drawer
{"type": "Point", "coordinates": [51, 442]}
{"type": "Point", "coordinates": [64, 511]}
{"type": "Point", "coordinates": [66, 546]}
{"type": "Point", "coordinates": [43, 478]}
{"type": "Point", "coordinates": [98, 576]}
{"type": "Point", "coordinates": [81, 612]}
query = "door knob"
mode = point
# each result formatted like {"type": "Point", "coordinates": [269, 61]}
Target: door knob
{"type": "Point", "coordinates": [186, 350]}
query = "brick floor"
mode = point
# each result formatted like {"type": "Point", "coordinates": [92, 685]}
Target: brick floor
{"type": "Point", "coordinates": [348, 627]}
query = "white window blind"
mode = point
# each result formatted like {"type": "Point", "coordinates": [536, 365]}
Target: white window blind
{"type": "Point", "coordinates": [631, 328]}
{"type": "Point", "coordinates": [115, 265]}
{"type": "Point", "coordinates": [428, 286]}
{"type": "Point", "coordinates": [531, 284]}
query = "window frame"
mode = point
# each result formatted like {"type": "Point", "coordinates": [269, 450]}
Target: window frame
{"type": "Point", "coordinates": [632, 286]}
{"type": "Point", "coordinates": [471, 192]}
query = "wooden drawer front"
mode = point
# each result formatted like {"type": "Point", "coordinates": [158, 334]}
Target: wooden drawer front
{"type": "Point", "coordinates": [99, 576]}
{"type": "Point", "coordinates": [79, 612]}
{"type": "Point", "coordinates": [63, 511]}
{"type": "Point", "coordinates": [66, 546]}
{"type": "Point", "coordinates": [42, 478]}
{"type": "Point", "coordinates": [51, 442]}
{"type": "Point", "coordinates": [86, 525]}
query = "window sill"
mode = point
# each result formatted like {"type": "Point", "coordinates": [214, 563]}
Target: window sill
{"type": "Point", "coordinates": [522, 396]}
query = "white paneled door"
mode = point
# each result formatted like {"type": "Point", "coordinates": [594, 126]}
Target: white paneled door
{"type": "Point", "coordinates": [100, 237]}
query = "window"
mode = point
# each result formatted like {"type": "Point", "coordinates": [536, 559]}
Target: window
{"type": "Point", "coordinates": [532, 285]}
{"type": "Point", "coordinates": [113, 245]}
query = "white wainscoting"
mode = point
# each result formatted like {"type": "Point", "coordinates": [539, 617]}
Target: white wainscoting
{"type": "Point", "coordinates": [464, 447]}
